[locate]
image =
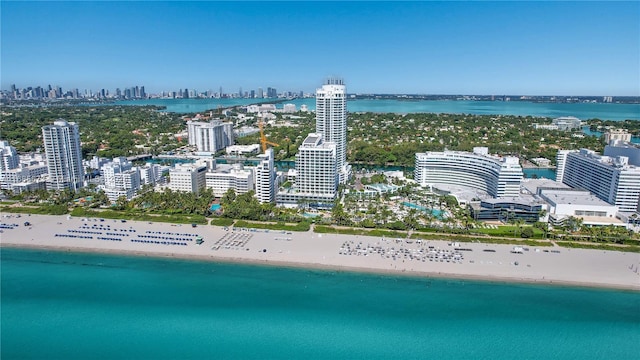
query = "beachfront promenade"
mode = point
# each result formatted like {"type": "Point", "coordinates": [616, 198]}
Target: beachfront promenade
{"type": "Point", "coordinates": [596, 268]}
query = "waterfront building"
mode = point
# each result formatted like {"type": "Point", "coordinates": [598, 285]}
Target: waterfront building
{"type": "Point", "coordinates": [611, 179]}
{"type": "Point", "coordinates": [238, 150]}
{"type": "Point", "coordinates": [616, 135]}
{"type": "Point", "coordinates": [331, 121]}
{"type": "Point", "coordinates": [188, 177]}
{"type": "Point", "coordinates": [210, 137]}
{"type": "Point", "coordinates": [316, 174]}
{"type": "Point", "coordinates": [265, 178]}
{"type": "Point", "coordinates": [541, 162]}
{"type": "Point", "coordinates": [497, 176]}
{"type": "Point", "coordinates": [567, 123]}
{"type": "Point", "coordinates": [225, 177]}
{"type": "Point", "coordinates": [289, 108]}
{"type": "Point", "coordinates": [64, 155]}
{"type": "Point", "coordinates": [581, 204]}
{"type": "Point", "coordinates": [121, 178]}
{"type": "Point", "coordinates": [523, 208]}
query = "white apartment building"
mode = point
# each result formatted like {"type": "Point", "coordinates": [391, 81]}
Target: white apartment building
{"type": "Point", "coordinates": [265, 178]}
{"type": "Point", "coordinates": [9, 158]}
{"type": "Point", "coordinates": [187, 177]}
{"type": "Point", "coordinates": [331, 121]}
{"type": "Point", "coordinates": [289, 108]}
{"type": "Point", "coordinates": [121, 178]}
{"type": "Point", "coordinates": [566, 123]}
{"type": "Point", "coordinates": [150, 173]}
{"type": "Point", "coordinates": [226, 177]}
{"type": "Point", "coordinates": [561, 159]}
{"type": "Point", "coordinates": [611, 179]}
{"type": "Point", "coordinates": [210, 137]}
{"type": "Point", "coordinates": [616, 134]}
{"type": "Point", "coordinates": [64, 155]}
{"type": "Point", "coordinates": [498, 177]}
{"type": "Point", "coordinates": [316, 174]}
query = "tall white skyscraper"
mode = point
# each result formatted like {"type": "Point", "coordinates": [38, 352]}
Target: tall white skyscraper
{"type": "Point", "coordinates": [331, 121]}
{"type": "Point", "coordinates": [64, 155]}
{"type": "Point", "coordinates": [265, 178]}
{"type": "Point", "coordinates": [316, 168]}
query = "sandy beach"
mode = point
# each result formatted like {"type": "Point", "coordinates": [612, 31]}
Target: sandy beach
{"type": "Point", "coordinates": [493, 262]}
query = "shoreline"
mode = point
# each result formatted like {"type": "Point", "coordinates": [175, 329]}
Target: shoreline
{"type": "Point", "coordinates": [311, 266]}
{"type": "Point", "coordinates": [307, 250]}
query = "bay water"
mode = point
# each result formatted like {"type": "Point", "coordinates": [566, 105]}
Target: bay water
{"type": "Point", "coordinates": [583, 111]}
{"type": "Point", "coordinates": [65, 305]}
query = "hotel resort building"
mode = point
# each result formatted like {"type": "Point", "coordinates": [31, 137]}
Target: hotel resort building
{"type": "Point", "coordinates": [612, 179]}
{"type": "Point", "coordinates": [496, 176]}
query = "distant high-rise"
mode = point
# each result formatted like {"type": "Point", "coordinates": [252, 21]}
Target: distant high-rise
{"type": "Point", "coordinates": [64, 155]}
{"type": "Point", "coordinates": [331, 121]}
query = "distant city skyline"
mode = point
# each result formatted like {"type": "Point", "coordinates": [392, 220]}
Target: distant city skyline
{"type": "Point", "coordinates": [528, 48]}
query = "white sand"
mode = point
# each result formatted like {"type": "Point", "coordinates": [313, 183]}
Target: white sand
{"type": "Point", "coordinates": [581, 267]}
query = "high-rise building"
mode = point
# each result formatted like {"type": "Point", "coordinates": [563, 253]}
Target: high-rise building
{"type": "Point", "coordinates": [260, 93]}
{"type": "Point", "coordinates": [622, 148]}
{"type": "Point", "coordinates": [265, 177]}
{"type": "Point", "coordinates": [316, 169]}
{"type": "Point", "coordinates": [8, 156]}
{"type": "Point", "coordinates": [611, 179]}
{"type": "Point", "coordinates": [210, 137]}
{"type": "Point", "coordinates": [64, 155]}
{"type": "Point", "coordinates": [188, 177]}
{"type": "Point", "coordinates": [498, 177]}
{"type": "Point", "coordinates": [121, 178]}
{"type": "Point", "coordinates": [616, 135]}
{"type": "Point", "coordinates": [561, 159]}
{"type": "Point", "coordinates": [331, 121]}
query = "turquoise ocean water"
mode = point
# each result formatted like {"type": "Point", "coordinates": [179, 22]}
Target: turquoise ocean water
{"type": "Point", "coordinates": [81, 306]}
{"type": "Point", "coordinates": [581, 110]}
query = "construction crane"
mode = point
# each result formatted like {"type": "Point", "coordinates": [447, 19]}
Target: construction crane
{"type": "Point", "coordinates": [263, 138]}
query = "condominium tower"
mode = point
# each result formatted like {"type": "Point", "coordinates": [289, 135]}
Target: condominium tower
{"type": "Point", "coordinates": [331, 121]}
{"type": "Point", "coordinates": [64, 155]}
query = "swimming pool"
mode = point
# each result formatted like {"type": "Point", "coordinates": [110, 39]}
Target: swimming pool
{"type": "Point", "coordinates": [435, 212]}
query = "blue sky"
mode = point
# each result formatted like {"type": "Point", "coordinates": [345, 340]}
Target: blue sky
{"type": "Point", "coordinates": [536, 48]}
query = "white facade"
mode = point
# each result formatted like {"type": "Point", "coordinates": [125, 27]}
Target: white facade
{"type": "Point", "coordinates": [243, 149]}
{"type": "Point", "coordinates": [265, 178]}
{"type": "Point", "coordinates": [64, 155]}
{"type": "Point", "coordinates": [617, 134]}
{"type": "Point", "coordinates": [566, 123]}
{"type": "Point", "coordinates": [9, 158]}
{"type": "Point", "coordinates": [316, 175]}
{"type": "Point", "coordinates": [611, 179]}
{"type": "Point", "coordinates": [289, 108]}
{"type": "Point", "coordinates": [498, 177]}
{"type": "Point", "coordinates": [561, 159]}
{"type": "Point", "coordinates": [121, 178]}
{"type": "Point", "coordinates": [316, 167]}
{"type": "Point", "coordinates": [210, 137]}
{"type": "Point", "coordinates": [229, 177]}
{"type": "Point", "coordinates": [331, 121]}
{"type": "Point", "coordinates": [187, 177]}
{"type": "Point", "coordinates": [150, 173]}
